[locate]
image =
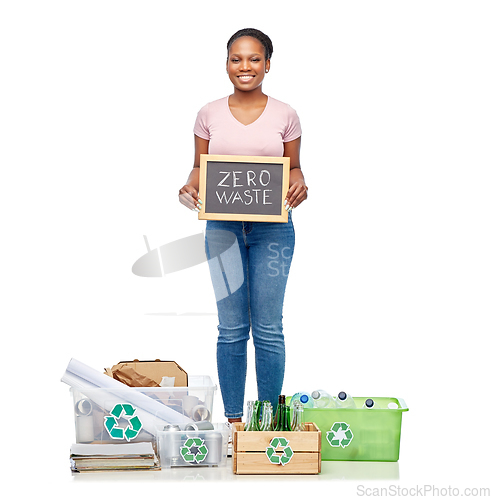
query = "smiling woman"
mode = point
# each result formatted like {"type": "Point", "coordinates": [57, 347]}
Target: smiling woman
{"type": "Point", "coordinates": [247, 63]}
{"type": "Point", "coordinates": [250, 123]}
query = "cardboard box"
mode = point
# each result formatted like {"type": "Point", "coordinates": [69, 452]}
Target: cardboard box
{"type": "Point", "coordinates": [147, 373]}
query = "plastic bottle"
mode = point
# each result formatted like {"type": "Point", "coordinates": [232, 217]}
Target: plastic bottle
{"type": "Point", "coordinates": [345, 400]}
{"type": "Point", "coordinates": [304, 397]}
{"type": "Point", "coordinates": [370, 404]}
{"type": "Point", "coordinates": [323, 399]}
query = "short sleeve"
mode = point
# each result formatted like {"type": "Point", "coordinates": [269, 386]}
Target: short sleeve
{"type": "Point", "coordinates": [292, 130]}
{"type": "Point", "coordinates": [201, 127]}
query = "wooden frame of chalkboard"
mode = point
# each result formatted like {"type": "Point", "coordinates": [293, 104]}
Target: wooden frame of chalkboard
{"type": "Point", "coordinates": [244, 188]}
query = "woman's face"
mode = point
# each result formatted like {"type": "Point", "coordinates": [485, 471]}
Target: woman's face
{"type": "Point", "coordinates": [246, 63]}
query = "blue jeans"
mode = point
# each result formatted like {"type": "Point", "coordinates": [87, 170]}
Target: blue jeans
{"type": "Point", "coordinates": [249, 265]}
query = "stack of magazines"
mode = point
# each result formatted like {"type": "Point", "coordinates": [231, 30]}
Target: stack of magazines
{"type": "Point", "coordinates": [113, 457]}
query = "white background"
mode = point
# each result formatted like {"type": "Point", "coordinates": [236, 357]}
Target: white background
{"type": "Point", "coordinates": [389, 291]}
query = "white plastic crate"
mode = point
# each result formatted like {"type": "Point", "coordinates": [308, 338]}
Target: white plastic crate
{"type": "Point", "coordinates": [181, 448]}
{"type": "Point", "coordinates": [108, 415]}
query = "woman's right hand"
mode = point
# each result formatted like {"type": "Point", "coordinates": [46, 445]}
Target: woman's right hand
{"type": "Point", "coordinates": [188, 196]}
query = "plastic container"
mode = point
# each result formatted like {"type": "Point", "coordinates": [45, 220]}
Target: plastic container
{"type": "Point", "coordinates": [360, 434]}
{"type": "Point", "coordinates": [181, 448]}
{"type": "Point", "coordinates": [131, 414]}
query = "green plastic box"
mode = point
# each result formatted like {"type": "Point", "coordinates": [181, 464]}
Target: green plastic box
{"type": "Point", "coordinates": [359, 433]}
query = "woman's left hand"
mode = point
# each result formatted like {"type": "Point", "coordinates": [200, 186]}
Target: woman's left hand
{"type": "Point", "coordinates": [298, 189]}
{"type": "Point", "coordinates": [296, 194]}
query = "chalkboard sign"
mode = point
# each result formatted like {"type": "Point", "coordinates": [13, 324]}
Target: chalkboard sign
{"type": "Point", "coordinates": [244, 188]}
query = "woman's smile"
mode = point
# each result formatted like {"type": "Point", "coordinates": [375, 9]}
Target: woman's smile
{"type": "Point", "coordinates": [245, 78]}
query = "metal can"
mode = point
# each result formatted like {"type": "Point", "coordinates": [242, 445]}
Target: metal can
{"type": "Point", "coordinates": [171, 427]}
{"type": "Point", "coordinates": [171, 443]}
{"type": "Point", "coordinates": [213, 441]}
{"type": "Point", "coordinates": [204, 425]}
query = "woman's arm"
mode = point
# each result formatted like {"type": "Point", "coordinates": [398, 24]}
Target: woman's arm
{"type": "Point", "coordinates": [298, 190]}
{"type": "Point", "coordinates": [188, 194]}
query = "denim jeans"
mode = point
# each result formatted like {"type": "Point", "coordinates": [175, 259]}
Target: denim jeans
{"type": "Point", "coordinates": [249, 265]}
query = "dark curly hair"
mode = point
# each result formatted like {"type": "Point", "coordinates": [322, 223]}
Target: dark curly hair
{"type": "Point", "coordinates": [258, 35]}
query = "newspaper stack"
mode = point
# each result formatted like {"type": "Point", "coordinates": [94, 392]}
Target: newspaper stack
{"type": "Point", "coordinates": [113, 457]}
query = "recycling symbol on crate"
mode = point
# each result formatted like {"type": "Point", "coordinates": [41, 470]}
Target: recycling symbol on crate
{"type": "Point", "coordinates": [279, 451]}
{"type": "Point", "coordinates": [339, 435]}
{"type": "Point", "coordinates": [127, 411]}
{"type": "Point", "coordinates": [194, 450]}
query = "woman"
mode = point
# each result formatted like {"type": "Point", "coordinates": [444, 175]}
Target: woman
{"type": "Point", "coordinates": [248, 122]}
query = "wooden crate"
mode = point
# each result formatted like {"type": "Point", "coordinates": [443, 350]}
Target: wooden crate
{"type": "Point", "coordinates": [261, 453]}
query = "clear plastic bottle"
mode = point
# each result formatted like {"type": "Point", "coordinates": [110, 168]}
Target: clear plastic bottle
{"type": "Point", "coordinates": [304, 397]}
{"type": "Point", "coordinates": [322, 399]}
{"type": "Point", "coordinates": [370, 404]}
{"type": "Point", "coordinates": [345, 400]}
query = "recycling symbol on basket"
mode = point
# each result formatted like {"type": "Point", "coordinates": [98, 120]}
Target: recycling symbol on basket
{"type": "Point", "coordinates": [339, 435]}
{"type": "Point", "coordinates": [194, 450]}
{"type": "Point", "coordinates": [127, 411]}
{"type": "Point", "coordinates": [277, 456]}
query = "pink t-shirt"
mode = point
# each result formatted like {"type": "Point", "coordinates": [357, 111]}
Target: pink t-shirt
{"type": "Point", "coordinates": [277, 124]}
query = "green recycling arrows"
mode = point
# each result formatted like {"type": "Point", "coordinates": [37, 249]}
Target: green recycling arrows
{"type": "Point", "coordinates": [127, 411]}
{"type": "Point", "coordinates": [194, 450]}
{"type": "Point", "coordinates": [339, 435]}
{"type": "Point", "coordinates": [279, 451]}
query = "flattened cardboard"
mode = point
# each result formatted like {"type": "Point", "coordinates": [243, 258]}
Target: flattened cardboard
{"type": "Point", "coordinates": [148, 370]}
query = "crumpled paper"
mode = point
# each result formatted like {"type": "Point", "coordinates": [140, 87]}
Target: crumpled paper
{"type": "Point", "coordinates": [130, 377]}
